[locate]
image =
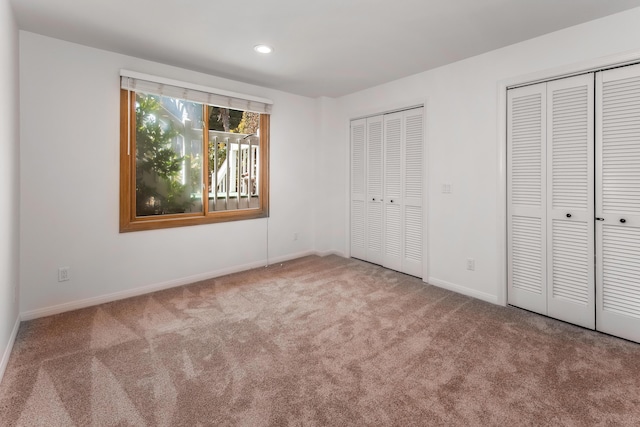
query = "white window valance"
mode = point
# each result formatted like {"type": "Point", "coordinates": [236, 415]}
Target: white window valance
{"type": "Point", "coordinates": [146, 83]}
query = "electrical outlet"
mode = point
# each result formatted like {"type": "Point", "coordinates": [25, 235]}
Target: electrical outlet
{"type": "Point", "coordinates": [446, 188]}
{"type": "Point", "coordinates": [64, 274]}
{"type": "Point", "coordinates": [295, 236]}
{"type": "Point", "coordinates": [471, 264]}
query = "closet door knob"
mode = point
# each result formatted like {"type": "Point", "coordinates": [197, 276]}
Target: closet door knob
{"type": "Point", "coordinates": [391, 201]}
{"type": "Point", "coordinates": [373, 199]}
{"type": "Point", "coordinates": [568, 215]}
{"type": "Point", "coordinates": [599, 219]}
{"type": "Point", "coordinates": [622, 220]}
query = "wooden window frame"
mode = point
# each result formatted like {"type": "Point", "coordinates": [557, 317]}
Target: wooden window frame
{"type": "Point", "coordinates": [128, 219]}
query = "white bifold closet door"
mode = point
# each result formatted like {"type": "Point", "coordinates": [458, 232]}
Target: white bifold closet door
{"type": "Point", "coordinates": [618, 202]}
{"type": "Point", "coordinates": [526, 197]}
{"type": "Point", "coordinates": [570, 200]}
{"type": "Point", "coordinates": [393, 236]}
{"type": "Point", "coordinates": [550, 218]}
{"type": "Point", "coordinates": [403, 191]}
{"type": "Point", "coordinates": [375, 156]}
{"type": "Point", "coordinates": [413, 184]}
{"type": "Point", "coordinates": [387, 180]}
{"type": "Point", "coordinates": [358, 191]}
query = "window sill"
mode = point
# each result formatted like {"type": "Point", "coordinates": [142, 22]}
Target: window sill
{"type": "Point", "coordinates": [154, 222]}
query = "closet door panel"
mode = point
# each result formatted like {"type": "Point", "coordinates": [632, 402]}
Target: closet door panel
{"type": "Point", "coordinates": [413, 194]}
{"type": "Point", "coordinates": [526, 192]}
{"type": "Point", "coordinates": [393, 211]}
{"type": "Point", "coordinates": [358, 191]}
{"type": "Point", "coordinates": [618, 202]}
{"type": "Point", "coordinates": [375, 157]}
{"type": "Point", "coordinates": [570, 200]}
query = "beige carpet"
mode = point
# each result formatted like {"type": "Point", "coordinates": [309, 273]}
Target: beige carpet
{"type": "Point", "coordinates": [316, 341]}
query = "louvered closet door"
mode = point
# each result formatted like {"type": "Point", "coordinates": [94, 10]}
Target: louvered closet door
{"type": "Point", "coordinates": [393, 212]}
{"type": "Point", "coordinates": [374, 190]}
{"type": "Point", "coordinates": [526, 192]}
{"type": "Point", "coordinates": [412, 191]}
{"type": "Point", "coordinates": [618, 202]}
{"type": "Point", "coordinates": [358, 191]}
{"type": "Point", "coordinates": [570, 201]}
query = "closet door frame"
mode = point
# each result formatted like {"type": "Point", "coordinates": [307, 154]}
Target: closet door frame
{"type": "Point", "coordinates": [502, 88]}
{"type": "Point", "coordinates": [614, 63]}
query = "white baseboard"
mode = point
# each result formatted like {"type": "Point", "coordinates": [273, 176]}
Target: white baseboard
{"type": "Point", "coordinates": [88, 302]}
{"type": "Point", "coordinates": [327, 253]}
{"type": "Point", "coordinates": [493, 299]}
{"type": "Point", "coordinates": [7, 352]}
{"type": "Point", "coordinates": [303, 254]}
{"type": "Point", "coordinates": [289, 257]}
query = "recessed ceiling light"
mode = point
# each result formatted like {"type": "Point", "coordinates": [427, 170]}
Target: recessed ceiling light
{"type": "Point", "coordinates": [263, 48]}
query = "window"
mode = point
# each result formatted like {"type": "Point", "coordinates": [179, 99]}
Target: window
{"type": "Point", "coordinates": [190, 155]}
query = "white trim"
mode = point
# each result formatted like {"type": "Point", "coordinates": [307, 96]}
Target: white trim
{"type": "Point", "coordinates": [493, 299]}
{"type": "Point", "coordinates": [172, 82]}
{"type": "Point", "coordinates": [7, 352]}
{"type": "Point", "coordinates": [389, 108]}
{"type": "Point", "coordinates": [501, 211]}
{"type": "Point", "coordinates": [147, 289]}
{"type": "Point", "coordinates": [425, 191]}
{"type": "Point", "coordinates": [610, 61]}
{"type": "Point", "coordinates": [289, 257]}
{"type": "Point", "coordinates": [327, 253]}
{"type": "Point", "coordinates": [392, 111]}
{"type": "Point", "coordinates": [620, 59]}
{"type": "Point", "coordinates": [347, 192]}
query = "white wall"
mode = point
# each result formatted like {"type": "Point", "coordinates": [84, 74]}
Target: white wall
{"type": "Point", "coordinates": [70, 173]}
{"type": "Point", "coordinates": [463, 140]}
{"type": "Point", "coordinates": [69, 164]}
{"type": "Point", "coordinates": [330, 178]}
{"type": "Point", "coordinates": [9, 180]}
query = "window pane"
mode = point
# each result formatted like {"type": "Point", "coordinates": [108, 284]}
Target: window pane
{"type": "Point", "coordinates": [168, 156]}
{"type": "Point", "coordinates": [234, 157]}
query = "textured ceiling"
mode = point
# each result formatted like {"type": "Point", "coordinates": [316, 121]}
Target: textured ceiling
{"type": "Point", "coordinates": [322, 48]}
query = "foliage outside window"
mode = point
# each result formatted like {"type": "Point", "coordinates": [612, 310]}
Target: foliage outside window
{"type": "Point", "coordinates": [167, 144]}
